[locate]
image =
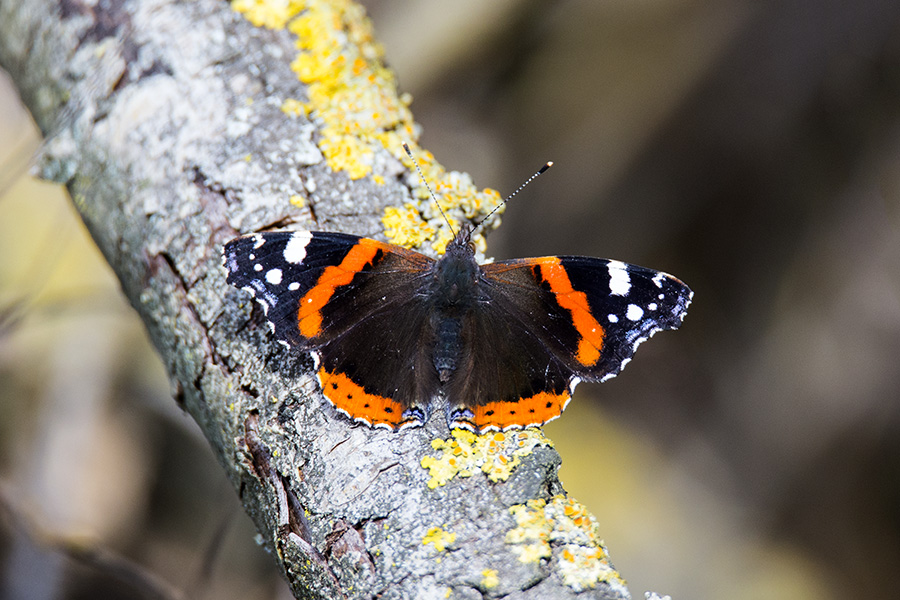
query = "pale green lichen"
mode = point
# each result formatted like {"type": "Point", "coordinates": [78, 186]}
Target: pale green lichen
{"type": "Point", "coordinates": [562, 530]}
{"type": "Point", "coordinates": [355, 100]}
{"type": "Point", "coordinates": [494, 454]}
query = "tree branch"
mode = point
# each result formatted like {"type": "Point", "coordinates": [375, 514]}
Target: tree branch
{"type": "Point", "coordinates": [177, 126]}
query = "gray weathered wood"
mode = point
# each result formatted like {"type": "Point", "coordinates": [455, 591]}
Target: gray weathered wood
{"type": "Point", "coordinates": [146, 104]}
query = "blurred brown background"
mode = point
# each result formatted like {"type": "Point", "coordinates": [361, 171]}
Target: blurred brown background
{"type": "Point", "coordinates": [750, 148]}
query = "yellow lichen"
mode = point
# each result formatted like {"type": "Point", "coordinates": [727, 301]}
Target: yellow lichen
{"type": "Point", "coordinates": [354, 99]}
{"type": "Point", "coordinates": [293, 107]}
{"type": "Point", "coordinates": [440, 538]}
{"type": "Point", "coordinates": [405, 225]}
{"type": "Point", "coordinates": [273, 14]}
{"type": "Point", "coordinates": [494, 454]}
{"type": "Point", "coordinates": [489, 579]}
{"type": "Point", "coordinates": [565, 528]}
{"type": "Point", "coordinates": [444, 236]}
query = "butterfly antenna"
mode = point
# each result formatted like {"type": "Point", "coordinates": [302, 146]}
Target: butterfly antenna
{"type": "Point", "coordinates": [508, 198]}
{"type": "Point", "coordinates": [428, 187]}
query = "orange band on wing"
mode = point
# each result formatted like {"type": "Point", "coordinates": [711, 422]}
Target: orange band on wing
{"type": "Point", "coordinates": [353, 400]}
{"type": "Point", "coordinates": [535, 410]}
{"type": "Point", "coordinates": [591, 332]}
{"type": "Point", "coordinates": [309, 314]}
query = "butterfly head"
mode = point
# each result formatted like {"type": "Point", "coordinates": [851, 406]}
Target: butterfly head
{"type": "Point", "coordinates": [462, 241]}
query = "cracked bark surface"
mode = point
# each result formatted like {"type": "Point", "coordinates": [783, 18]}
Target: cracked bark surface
{"type": "Point", "coordinates": [145, 108]}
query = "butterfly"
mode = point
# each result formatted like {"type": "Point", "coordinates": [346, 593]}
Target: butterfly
{"type": "Point", "coordinates": [394, 332]}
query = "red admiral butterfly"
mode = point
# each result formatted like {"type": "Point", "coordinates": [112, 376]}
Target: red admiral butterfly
{"type": "Point", "coordinates": [505, 343]}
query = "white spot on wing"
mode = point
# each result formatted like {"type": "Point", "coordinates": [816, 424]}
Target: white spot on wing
{"type": "Point", "coordinates": [274, 276]}
{"type": "Point", "coordinates": [257, 267]}
{"type": "Point", "coordinates": [612, 318]}
{"type": "Point", "coordinates": [619, 280]}
{"type": "Point", "coordinates": [634, 312]}
{"type": "Point", "coordinates": [295, 250]}
{"type": "Point", "coordinates": [258, 241]}
{"type": "Point", "coordinates": [294, 286]}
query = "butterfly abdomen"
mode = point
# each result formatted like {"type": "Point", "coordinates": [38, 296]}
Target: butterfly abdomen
{"type": "Point", "coordinates": [448, 346]}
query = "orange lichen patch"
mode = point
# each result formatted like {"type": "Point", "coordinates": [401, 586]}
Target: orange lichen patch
{"type": "Point", "coordinates": [309, 314]}
{"type": "Point", "coordinates": [355, 101]}
{"type": "Point", "coordinates": [526, 412]}
{"type": "Point", "coordinates": [591, 332]}
{"type": "Point", "coordinates": [353, 400]}
{"type": "Point", "coordinates": [562, 529]}
{"type": "Point", "coordinates": [494, 454]}
{"type": "Point", "coordinates": [440, 538]}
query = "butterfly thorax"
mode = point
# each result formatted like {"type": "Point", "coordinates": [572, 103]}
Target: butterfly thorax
{"type": "Point", "coordinates": [456, 276]}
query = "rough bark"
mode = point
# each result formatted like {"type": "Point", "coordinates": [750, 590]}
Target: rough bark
{"type": "Point", "coordinates": [146, 108]}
